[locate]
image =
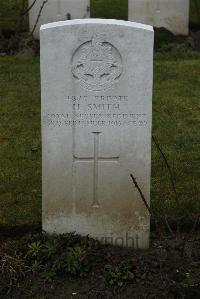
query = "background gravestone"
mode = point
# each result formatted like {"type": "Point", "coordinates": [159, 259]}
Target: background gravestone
{"type": "Point", "coordinates": [96, 81]}
{"type": "Point", "coordinates": [56, 10]}
{"type": "Point", "coordinates": [170, 14]}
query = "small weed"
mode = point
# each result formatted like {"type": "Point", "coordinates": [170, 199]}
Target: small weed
{"type": "Point", "coordinates": [36, 266]}
{"type": "Point", "coordinates": [48, 273]}
{"type": "Point", "coordinates": [34, 249]}
{"type": "Point", "coordinates": [51, 248]}
{"type": "Point", "coordinates": [126, 271]}
{"type": "Point", "coordinates": [190, 281]}
{"type": "Point", "coordinates": [118, 275]}
{"type": "Point", "coordinates": [74, 260]}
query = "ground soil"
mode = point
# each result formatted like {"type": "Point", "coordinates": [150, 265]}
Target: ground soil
{"type": "Point", "coordinates": [169, 269]}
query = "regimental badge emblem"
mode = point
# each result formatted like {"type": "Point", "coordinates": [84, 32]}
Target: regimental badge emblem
{"type": "Point", "coordinates": [96, 64]}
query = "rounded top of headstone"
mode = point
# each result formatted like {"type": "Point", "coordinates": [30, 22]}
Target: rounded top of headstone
{"type": "Point", "coordinates": [97, 21]}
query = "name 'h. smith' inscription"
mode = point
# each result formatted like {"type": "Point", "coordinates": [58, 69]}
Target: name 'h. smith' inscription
{"type": "Point", "coordinates": [100, 110]}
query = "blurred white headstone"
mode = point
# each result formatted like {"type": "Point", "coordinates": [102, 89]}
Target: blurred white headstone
{"type": "Point", "coordinates": [170, 14]}
{"type": "Point", "coordinates": [56, 10]}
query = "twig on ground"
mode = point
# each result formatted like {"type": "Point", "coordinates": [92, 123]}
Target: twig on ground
{"type": "Point", "coordinates": [197, 220]}
{"type": "Point", "coordinates": [147, 206]}
{"type": "Point", "coordinates": [169, 170]}
{"type": "Point", "coordinates": [168, 226]}
{"type": "Point", "coordinates": [23, 13]}
{"type": "Point", "coordinates": [28, 9]}
{"type": "Point", "coordinates": [171, 179]}
{"type": "Point", "coordinates": [141, 194]}
{"type": "Point", "coordinates": [39, 15]}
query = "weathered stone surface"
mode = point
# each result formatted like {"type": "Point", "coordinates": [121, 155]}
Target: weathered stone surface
{"type": "Point", "coordinates": [56, 10]}
{"type": "Point", "coordinates": [96, 81]}
{"type": "Point", "coordinates": [170, 14]}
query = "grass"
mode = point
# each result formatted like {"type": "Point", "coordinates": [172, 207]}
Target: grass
{"type": "Point", "coordinates": [176, 127]}
{"type": "Point", "coordinates": [10, 13]}
{"type": "Point", "coordinates": [20, 170]}
{"type": "Point", "coordinates": [109, 9]}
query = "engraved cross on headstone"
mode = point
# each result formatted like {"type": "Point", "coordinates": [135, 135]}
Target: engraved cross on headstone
{"type": "Point", "coordinates": [96, 159]}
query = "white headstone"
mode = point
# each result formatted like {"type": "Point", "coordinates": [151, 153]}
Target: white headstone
{"type": "Point", "coordinates": [170, 14]}
{"type": "Point", "coordinates": [56, 10]}
{"type": "Point", "coordinates": [96, 81]}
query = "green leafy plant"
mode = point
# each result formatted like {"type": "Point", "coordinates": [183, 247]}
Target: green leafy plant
{"type": "Point", "coordinates": [34, 248]}
{"type": "Point", "coordinates": [36, 266]}
{"type": "Point", "coordinates": [74, 260]}
{"type": "Point", "coordinates": [117, 275]}
{"type": "Point", "coordinates": [51, 248]}
{"type": "Point", "coordinates": [50, 256]}
{"type": "Point", "coordinates": [48, 273]}
{"type": "Point", "coordinates": [190, 281]}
